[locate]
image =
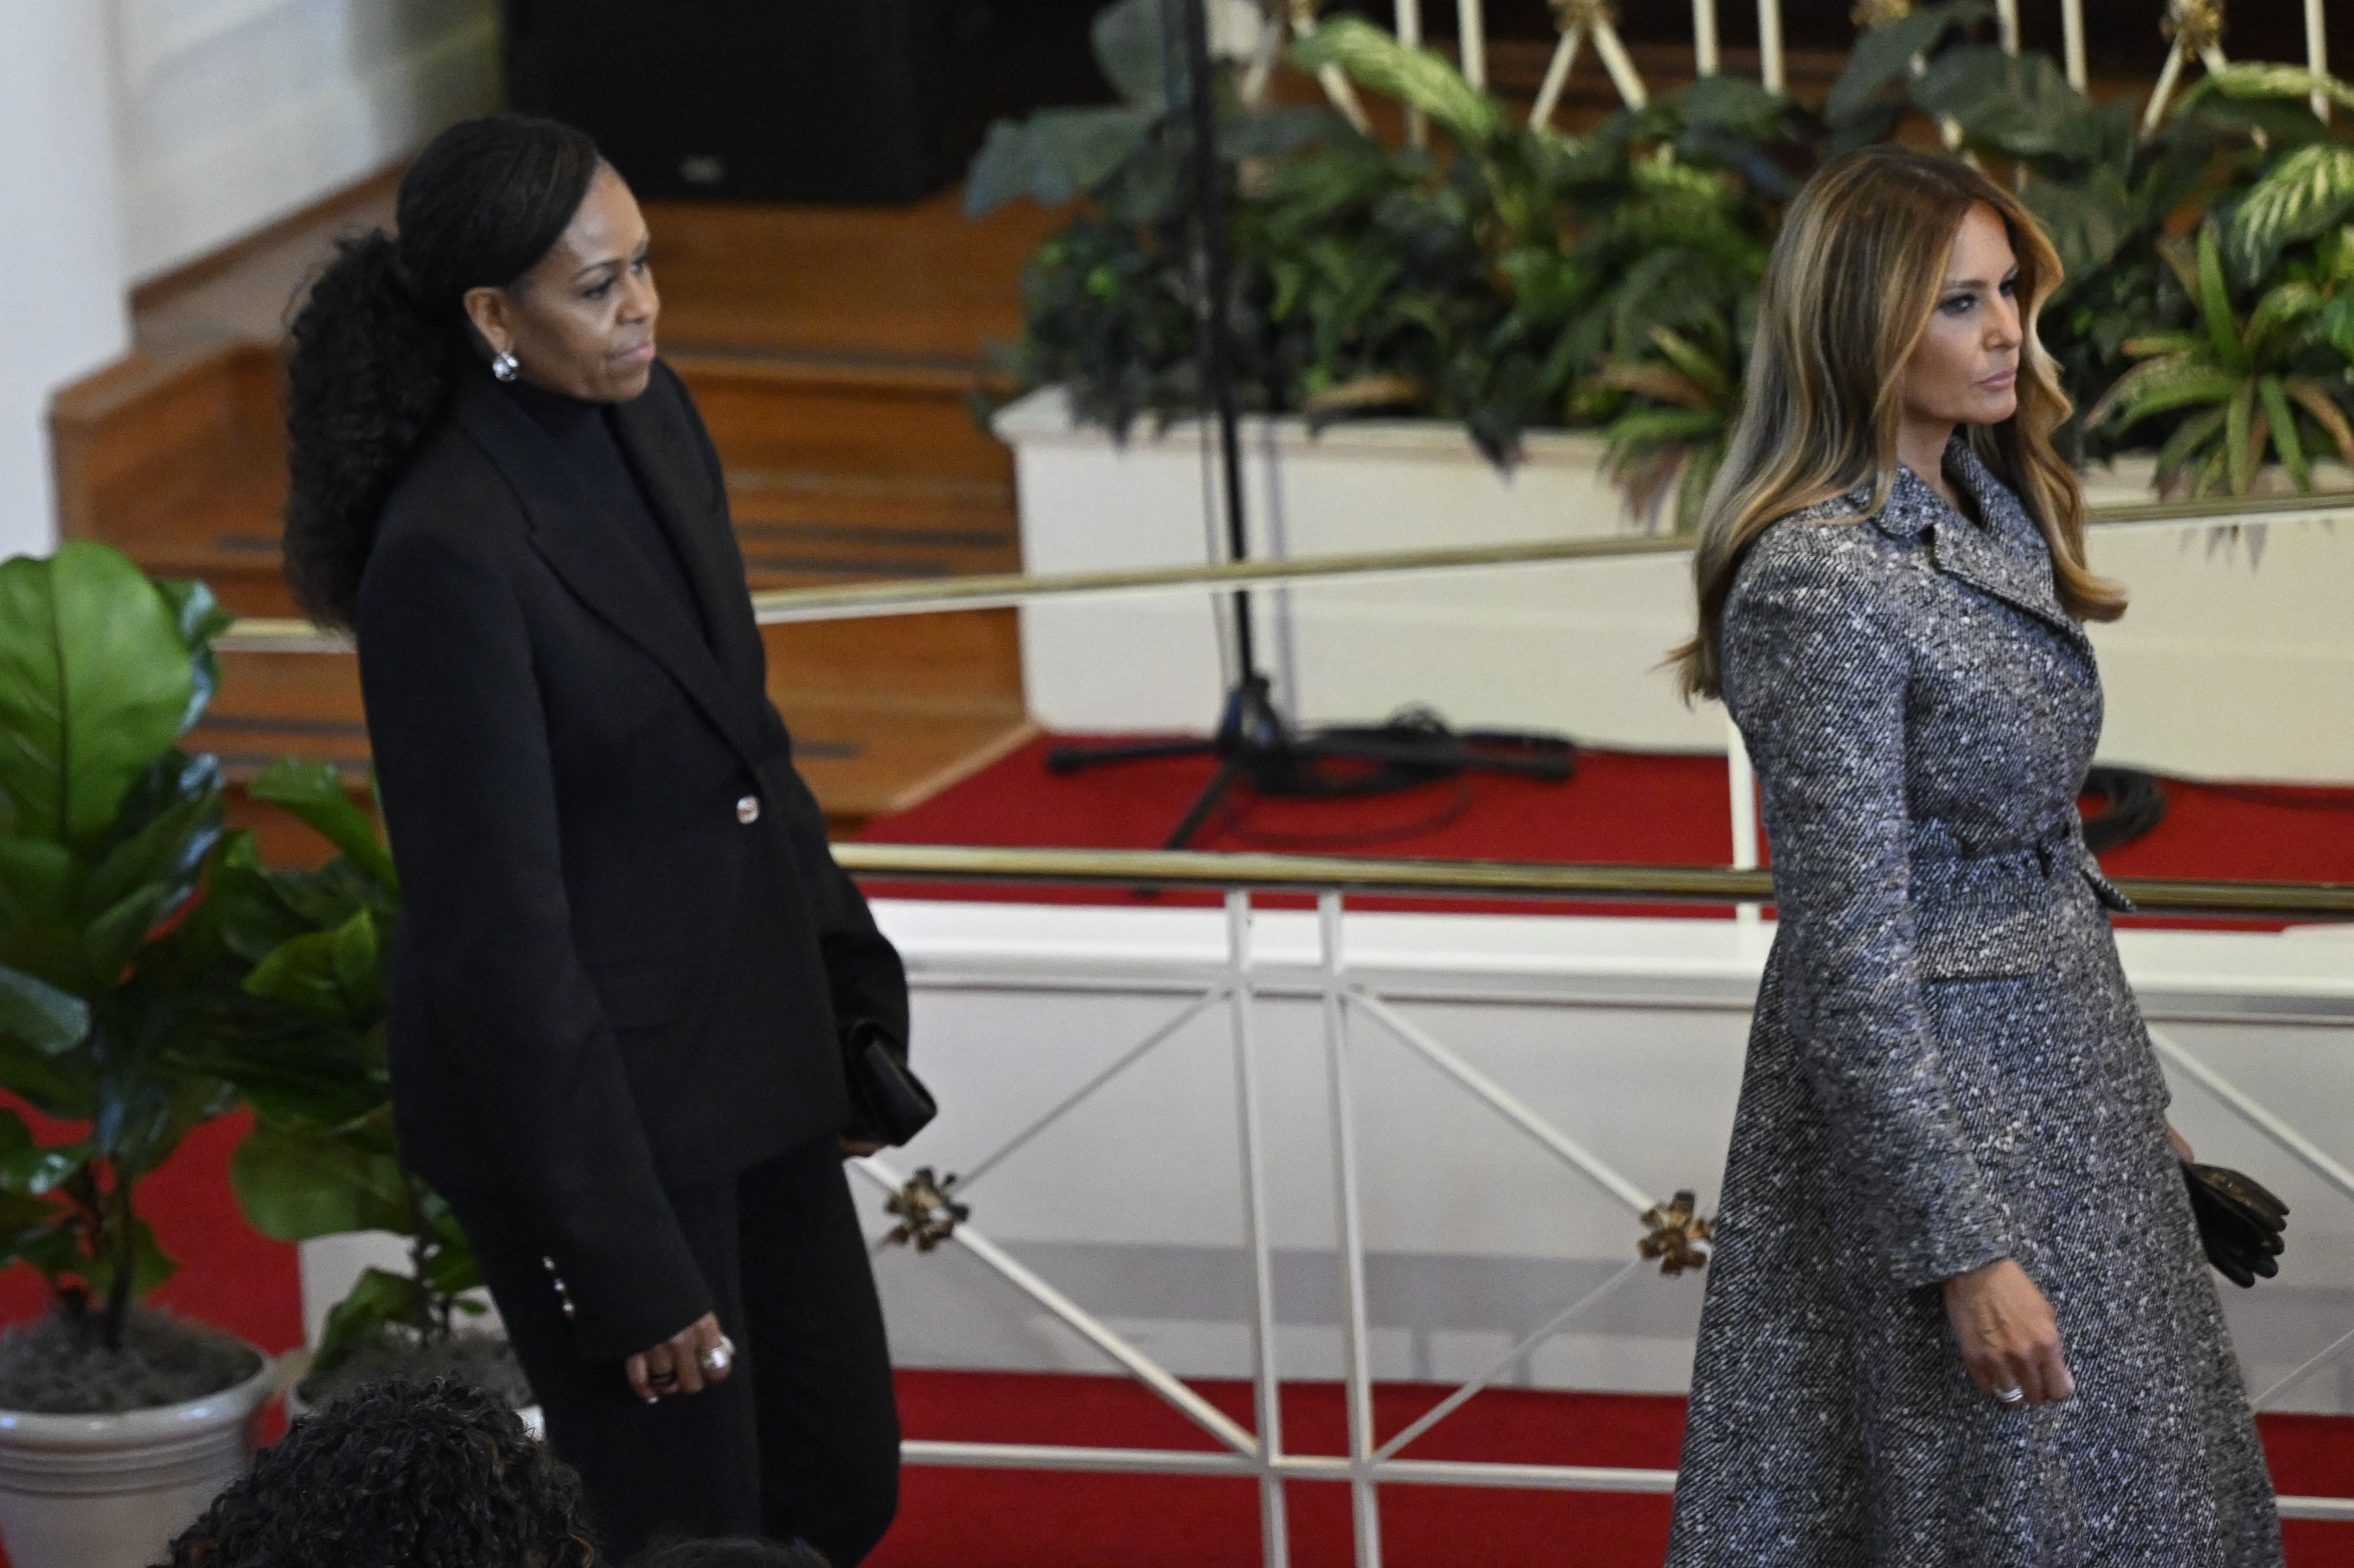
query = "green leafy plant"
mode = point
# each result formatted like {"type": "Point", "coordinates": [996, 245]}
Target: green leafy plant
{"type": "Point", "coordinates": [309, 1054]}
{"type": "Point", "coordinates": [1110, 301]}
{"type": "Point", "coordinates": [111, 965]}
{"type": "Point", "coordinates": [1576, 255]}
{"type": "Point", "coordinates": [1674, 438]}
{"type": "Point", "coordinates": [2243, 380]}
{"type": "Point", "coordinates": [1512, 278]}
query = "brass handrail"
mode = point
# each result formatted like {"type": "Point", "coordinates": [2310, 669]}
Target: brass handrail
{"type": "Point", "coordinates": [1488, 878]}
{"type": "Point", "coordinates": [999, 589]}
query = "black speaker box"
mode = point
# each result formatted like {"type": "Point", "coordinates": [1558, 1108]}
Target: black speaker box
{"type": "Point", "coordinates": [800, 100]}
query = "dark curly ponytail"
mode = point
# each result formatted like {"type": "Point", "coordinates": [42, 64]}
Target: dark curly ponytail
{"type": "Point", "coordinates": [378, 345]}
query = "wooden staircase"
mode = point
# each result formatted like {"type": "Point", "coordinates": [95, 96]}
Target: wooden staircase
{"type": "Point", "coordinates": [834, 354]}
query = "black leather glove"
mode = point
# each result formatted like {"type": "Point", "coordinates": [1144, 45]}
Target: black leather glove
{"type": "Point", "coordinates": [2240, 1224]}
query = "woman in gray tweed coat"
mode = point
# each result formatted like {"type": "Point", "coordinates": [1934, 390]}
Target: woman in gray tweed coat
{"type": "Point", "coordinates": [1958, 1313]}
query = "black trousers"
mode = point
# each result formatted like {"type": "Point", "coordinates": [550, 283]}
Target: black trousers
{"type": "Point", "coordinates": [802, 1440]}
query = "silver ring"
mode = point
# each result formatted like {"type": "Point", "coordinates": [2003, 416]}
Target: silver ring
{"type": "Point", "coordinates": [2010, 1396]}
{"type": "Point", "coordinates": [719, 1357]}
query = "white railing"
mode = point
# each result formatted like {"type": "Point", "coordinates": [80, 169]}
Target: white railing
{"type": "Point", "coordinates": [1349, 1003]}
{"type": "Point", "coordinates": [1674, 1235]}
{"type": "Point", "coordinates": [2194, 27]}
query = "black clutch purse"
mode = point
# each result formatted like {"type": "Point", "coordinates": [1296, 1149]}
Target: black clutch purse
{"type": "Point", "coordinates": [888, 1104]}
{"type": "Point", "coordinates": [2239, 1224]}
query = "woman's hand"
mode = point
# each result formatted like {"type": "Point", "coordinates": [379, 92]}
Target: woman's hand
{"type": "Point", "coordinates": [677, 1364]}
{"type": "Point", "coordinates": [2181, 1144]}
{"type": "Point", "coordinates": [2009, 1340]}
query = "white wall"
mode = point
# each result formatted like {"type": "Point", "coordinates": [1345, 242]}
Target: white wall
{"type": "Point", "coordinates": [137, 135]}
{"type": "Point", "coordinates": [65, 266]}
{"type": "Point", "coordinates": [237, 113]}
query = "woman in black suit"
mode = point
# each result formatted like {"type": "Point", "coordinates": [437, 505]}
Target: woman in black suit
{"type": "Point", "coordinates": [627, 952]}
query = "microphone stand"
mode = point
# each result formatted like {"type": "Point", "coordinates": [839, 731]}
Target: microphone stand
{"type": "Point", "coordinates": [1254, 745]}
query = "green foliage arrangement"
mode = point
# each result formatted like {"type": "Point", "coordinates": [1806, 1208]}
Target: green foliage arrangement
{"type": "Point", "coordinates": [309, 1055]}
{"type": "Point", "coordinates": [1109, 300]}
{"type": "Point", "coordinates": [112, 969]}
{"type": "Point", "coordinates": [1515, 278]}
{"type": "Point", "coordinates": [2243, 381]}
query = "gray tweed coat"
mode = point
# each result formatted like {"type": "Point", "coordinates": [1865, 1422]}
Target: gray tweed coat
{"type": "Point", "coordinates": [1947, 1067]}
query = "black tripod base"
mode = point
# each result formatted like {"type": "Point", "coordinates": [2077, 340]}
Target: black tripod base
{"type": "Point", "coordinates": [1257, 750]}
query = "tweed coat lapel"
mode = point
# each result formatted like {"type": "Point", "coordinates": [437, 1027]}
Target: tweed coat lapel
{"type": "Point", "coordinates": [586, 547]}
{"type": "Point", "coordinates": [2017, 572]}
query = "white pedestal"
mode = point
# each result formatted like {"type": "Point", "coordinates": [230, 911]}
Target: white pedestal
{"type": "Point", "coordinates": [2237, 659]}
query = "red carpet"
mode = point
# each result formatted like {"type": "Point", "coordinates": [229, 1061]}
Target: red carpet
{"type": "Point", "coordinates": [996, 1518]}
{"type": "Point", "coordinates": [1622, 808]}
{"type": "Point", "coordinates": [984, 1518]}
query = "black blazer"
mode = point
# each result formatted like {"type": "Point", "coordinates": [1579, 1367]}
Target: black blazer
{"type": "Point", "coordinates": [624, 943]}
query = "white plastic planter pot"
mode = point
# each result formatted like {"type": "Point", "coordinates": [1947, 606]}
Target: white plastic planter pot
{"type": "Point", "coordinates": [110, 1491]}
{"type": "Point", "coordinates": [2234, 662]}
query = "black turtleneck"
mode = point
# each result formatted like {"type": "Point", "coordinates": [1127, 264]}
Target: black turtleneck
{"type": "Point", "coordinates": [584, 433]}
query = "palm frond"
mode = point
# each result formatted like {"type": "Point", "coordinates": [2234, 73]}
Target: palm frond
{"type": "Point", "coordinates": [1701, 466]}
{"type": "Point", "coordinates": [2315, 400]}
{"type": "Point", "coordinates": [2189, 438]}
{"type": "Point", "coordinates": [1644, 479]}
{"type": "Point", "coordinates": [2157, 385]}
{"type": "Point", "coordinates": [2258, 80]}
{"type": "Point", "coordinates": [2282, 419]}
{"type": "Point", "coordinates": [1702, 191]}
{"type": "Point", "coordinates": [1415, 78]}
{"type": "Point", "coordinates": [2240, 465]}
{"type": "Point", "coordinates": [2208, 472]}
{"type": "Point", "coordinates": [2156, 343]}
{"type": "Point", "coordinates": [1662, 382]}
{"type": "Point", "coordinates": [1645, 427]}
{"type": "Point", "coordinates": [2309, 190]}
{"type": "Point", "coordinates": [1694, 362]}
{"type": "Point", "coordinates": [2223, 330]}
{"type": "Point", "coordinates": [2285, 305]}
{"type": "Point", "coordinates": [1365, 392]}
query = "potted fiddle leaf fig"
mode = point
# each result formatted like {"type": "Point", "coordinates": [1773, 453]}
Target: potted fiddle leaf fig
{"type": "Point", "coordinates": [322, 1160]}
{"type": "Point", "coordinates": [117, 1421]}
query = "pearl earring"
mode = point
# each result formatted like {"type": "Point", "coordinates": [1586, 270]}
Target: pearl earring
{"type": "Point", "coordinates": [505, 365]}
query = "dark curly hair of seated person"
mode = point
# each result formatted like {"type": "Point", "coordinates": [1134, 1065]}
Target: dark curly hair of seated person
{"type": "Point", "coordinates": [730, 1551]}
{"type": "Point", "coordinates": [398, 1474]}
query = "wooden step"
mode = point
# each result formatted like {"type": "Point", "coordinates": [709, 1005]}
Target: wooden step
{"type": "Point", "coordinates": [285, 704]}
{"type": "Point", "coordinates": [884, 712]}
{"type": "Point", "coordinates": [833, 354]}
{"type": "Point", "coordinates": [913, 283]}
{"type": "Point", "coordinates": [180, 463]}
{"type": "Point", "coordinates": [835, 474]}
{"type": "Point", "coordinates": [839, 472]}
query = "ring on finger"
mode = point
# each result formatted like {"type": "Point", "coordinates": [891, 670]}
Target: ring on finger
{"type": "Point", "coordinates": [718, 1358]}
{"type": "Point", "coordinates": [663, 1379]}
{"type": "Point", "coordinates": [2011, 1397]}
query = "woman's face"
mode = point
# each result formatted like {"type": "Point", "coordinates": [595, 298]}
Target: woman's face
{"type": "Point", "coordinates": [582, 322]}
{"type": "Point", "coordinates": [1964, 369]}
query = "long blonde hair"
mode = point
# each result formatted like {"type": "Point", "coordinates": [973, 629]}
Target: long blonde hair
{"type": "Point", "coordinates": [1848, 293]}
